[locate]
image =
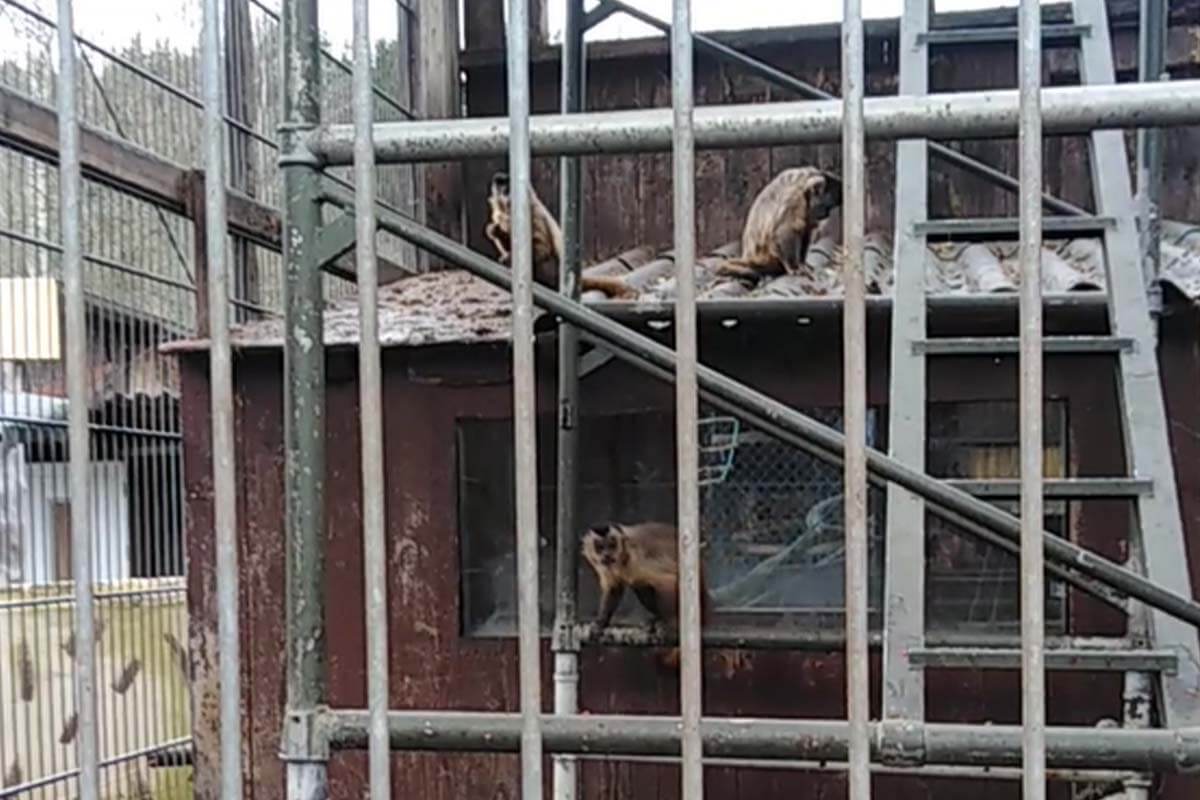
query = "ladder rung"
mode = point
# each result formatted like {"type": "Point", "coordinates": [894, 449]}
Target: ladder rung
{"type": "Point", "coordinates": [993, 226]}
{"type": "Point", "coordinates": [1059, 488]}
{"type": "Point", "coordinates": [992, 345]}
{"type": "Point", "coordinates": [1163, 661]}
{"type": "Point", "coordinates": [1059, 34]}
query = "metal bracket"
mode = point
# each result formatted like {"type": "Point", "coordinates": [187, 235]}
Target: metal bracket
{"type": "Point", "coordinates": [305, 739]}
{"type": "Point", "coordinates": [901, 742]}
{"type": "Point", "coordinates": [335, 239]}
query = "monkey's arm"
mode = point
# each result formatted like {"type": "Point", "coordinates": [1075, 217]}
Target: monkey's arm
{"type": "Point", "coordinates": [611, 286]}
{"type": "Point", "coordinates": [495, 233]}
{"type": "Point", "coordinates": [610, 598]}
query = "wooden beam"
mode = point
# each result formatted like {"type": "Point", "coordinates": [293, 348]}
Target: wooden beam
{"type": "Point", "coordinates": [438, 98]}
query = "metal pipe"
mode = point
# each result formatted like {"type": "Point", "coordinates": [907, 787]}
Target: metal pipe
{"type": "Point", "coordinates": [70, 188]}
{"type": "Point", "coordinates": [947, 744]}
{"type": "Point", "coordinates": [304, 408]}
{"type": "Point", "coordinates": [1033, 623]}
{"type": "Point", "coordinates": [962, 115]}
{"type": "Point", "coordinates": [792, 426]}
{"type": "Point", "coordinates": [524, 378]}
{"type": "Point", "coordinates": [370, 388]}
{"type": "Point", "coordinates": [566, 644]}
{"type": "Point", "coordinates": [783, 80]}
{"type": "Point", "coordinates": [1138, 704]}
{"type": "Point", "coordinates": [854, 389]}
{"type": "Point", "coordinates": [1152, 36]}
{"type": "Point", "coordinates": [687, 404]}
{"type": "Point", "coordinates": [224, 465]}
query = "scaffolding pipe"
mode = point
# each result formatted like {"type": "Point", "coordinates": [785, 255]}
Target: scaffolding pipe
{"type": "Point", "coordinates": [224, 467]}
{"type": "Point", "coordinates": [1152, 35]}
{"type": "Point", "coordinates": [783, 80]}
{"type": "Point", "coordinates": [70, 188]}
{"type": "Point", "coordinates": [524, 380]}
{"type": "Point", "coordinates": [854, 389]}
{"type": "Point", "coordinates": [962, 115]}
{"type": "Point", "coordinates": [1033, 623]}
{"type": "Point", "coordinates": [565, 784]}
{"type": "Point", "coordinates": [791, 425]}
{"type": "Point", "coordinates": [944, 744]}
{"type": "Point", "coordinates": [370, 388]}
{"type": "Point", "coordinates": [687, 403]}
{"type": "Point", "coordinates": [304, 408]}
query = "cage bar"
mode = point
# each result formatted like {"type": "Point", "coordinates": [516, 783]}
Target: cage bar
{"type": "Point", "coordinates": [224, 466]}
{"type": "Point", "coordinates": [1033, 630]}
{"type": "Point", "coordinates": [70, 188]}
{"type": "Point", "coordinates": [370, 385]}
{"type": "Point", "coordinates": [958, 115]}
{"type": "Point", "coordinates": [524, 401]}
{"type": "Point", "coordinates": [854, 383]}
{"type": "Point", "coordinates": [1152, 37]}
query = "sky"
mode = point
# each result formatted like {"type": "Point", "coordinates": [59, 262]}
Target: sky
{"type": "Point", "coordinates": [113, 23]}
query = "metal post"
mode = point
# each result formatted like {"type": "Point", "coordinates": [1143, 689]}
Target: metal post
{"type": "Point", "coordinates": [1152, 35]}
{"type": "Point", "coordinates": [524, 402]}
{"type": "Point", "coordinates": [686, 397]}
{"type": "Point", "coordinates": [854, 356]}
{"type": "Point", "coordinates": [304, 406]}
{"type": "Point", "coordinates": [221, 375]}
{"type": "Point", "coordinates": [70, 188]}
{"type": "Point", "coordinates": [566, 643]}
{"type": "Point", "coordinates": [370, 410]}
{"type": "Point", "coordinates": [1033, 675]}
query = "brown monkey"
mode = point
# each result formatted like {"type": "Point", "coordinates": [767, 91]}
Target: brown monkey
{"type": "Point", "coordinates": [781, 222]}
{"type": "Point", "coordinates": [547, 241]}
{"type": "Point", "coordinates": [645, 558]}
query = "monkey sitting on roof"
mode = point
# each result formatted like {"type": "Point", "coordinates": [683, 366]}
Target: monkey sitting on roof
{"type": "Point", "coordinates": [781, 222]}
{"type": "Point", "coordinates": [547, 242]}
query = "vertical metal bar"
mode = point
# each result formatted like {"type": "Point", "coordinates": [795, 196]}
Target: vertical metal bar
{"type": "Point", "coordinates": [221, 376]}
{"type": "Point", "coordinates": [687, 398]}
{"type": "Point", "coordinates": [1152, 35]}
{"type": "Point", "coordinates": [371, 410]}
{"type": "Point", "coordinates": [566, 644]}
{"type": "Point", "coordinates": [304, 406]}
{"type": "Point", "coordinates": [524, 402]}
{"type": "Point", "coordinates": [70, 188]}
{"type": "Point", "coordinates": [904, 581]}
{"type": "Point", "coordinates": [1033, 675]}
{"type": "Point", "coordinates": [854, 355]}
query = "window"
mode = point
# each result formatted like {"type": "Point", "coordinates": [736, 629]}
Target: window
{"type": "Point", "coordinates": [771, 515]}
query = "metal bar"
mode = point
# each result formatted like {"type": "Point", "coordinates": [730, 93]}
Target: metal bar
{"type": "Point", "coordinates": [1144, 419]}
{"type": "Point", "coordinates": [1152, 35]}
{"type": "Point", "coordinates": [1010, 225]}
{"type": "Point", "coordinates": [19, 789]}
{"type": "Point", "coordinates": [1033, 590]}
{"type": "Point", "coordinates": [304, 409]}
{"type": "Point", "coordinates": [792, 426]}
{"type": "Point", "coordinates": [224, 466]}
{"type": "Point", "coordinates": [565, 784]}
{"type": "Point", "coordinates": [949, 744]}
{"type": "Point", "coordinates": [803, 308]}
{"type": "Point", "coordinates": [1083, 660]}
{"type": "Point", "coordinates": [1064, 488]}
{"type": "Point", "coordinates": [524, 378]}
{"type": "Point", "coordinates": [370, 387]}
{"type": "Point", "coordinates": [983, 345]}
{"type": "Point", "coordinates": [783, 80]}
{"type": "Point", "coordinates": [854, 389]}
{"type": "Point", "coordinates": [54, 247]}
{"type": "Point", "coordinates": [963, 115]}
{"type": "Point", "coordinates": [70, 188]}
{"type": "Point", "coordinates": [904, 565]}
{"type": "Point", "coordinates": [1061, 35]}
{"type": "Point", "coordinates": [687, 404]}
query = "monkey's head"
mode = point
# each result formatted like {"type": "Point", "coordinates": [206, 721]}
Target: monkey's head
{"type": "Point", "coordinates": [604, 544]}
{"type": "Point", "coordinates": [823, 192]}
{"type": "Point", "coordinates": [499, 189]}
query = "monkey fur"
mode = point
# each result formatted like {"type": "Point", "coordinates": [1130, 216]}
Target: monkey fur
{"type": "Point", "coordinates": [645, 558]}
{"type": "Point", "coordinates": [547, 242]}
{"type": "Point", "coordinates": [781, 223]}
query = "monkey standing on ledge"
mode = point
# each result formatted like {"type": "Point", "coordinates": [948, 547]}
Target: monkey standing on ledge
{"type": "Point", "coordinates": [547, 242]}
{"type": "Point", "coordinates": [781, 223]}
{"type": "Point", "coordinates": [645, 558]}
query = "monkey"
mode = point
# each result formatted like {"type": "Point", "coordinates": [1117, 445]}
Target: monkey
{"type": "Point", "coordinates": [547, 242]}
{"type": "Point", "coordinates": [645, 558]}
{"type": "Point", "coordinates": [781, 223]}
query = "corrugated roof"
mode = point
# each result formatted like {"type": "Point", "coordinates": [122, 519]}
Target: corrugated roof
{"type": "Point", "coordinates": [455, 307]}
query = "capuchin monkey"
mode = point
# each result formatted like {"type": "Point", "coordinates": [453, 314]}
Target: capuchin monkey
{"type": "Point", "coordinates": [645, 558]}
{"type": "Point", "coordinates": [781, 223]}
{"type": "Point", "coordinates": [547, 242]}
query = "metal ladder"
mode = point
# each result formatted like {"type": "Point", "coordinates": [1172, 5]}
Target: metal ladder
{"type": "Point", "coordinates": [1155, 645]}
